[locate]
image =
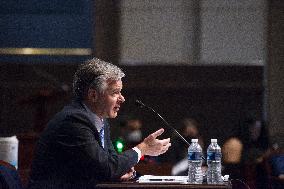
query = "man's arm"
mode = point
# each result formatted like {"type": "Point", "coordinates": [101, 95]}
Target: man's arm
{"type": "Point", "coordinates": [80, 144]}
{"type": "Point", "coordinates": [150, 146]}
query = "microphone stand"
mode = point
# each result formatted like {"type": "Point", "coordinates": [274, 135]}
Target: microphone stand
{"type": "Point", "coordinates": [142, 105]}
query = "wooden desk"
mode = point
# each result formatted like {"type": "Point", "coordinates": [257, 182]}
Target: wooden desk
{"type": "Point", "coordinates": [133, 185]}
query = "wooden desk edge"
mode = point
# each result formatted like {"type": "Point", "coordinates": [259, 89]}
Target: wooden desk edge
{"type": "Point", "coordinates": [115, 185]}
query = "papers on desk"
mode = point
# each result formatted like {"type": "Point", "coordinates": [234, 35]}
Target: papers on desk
{"type": "Point", "coordinates": [163, 179]}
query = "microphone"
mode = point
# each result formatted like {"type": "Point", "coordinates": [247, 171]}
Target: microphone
{"type": "Point", "coordinates": [142, 105]}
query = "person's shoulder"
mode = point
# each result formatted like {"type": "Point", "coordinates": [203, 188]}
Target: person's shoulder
{"type": "Point", "coordinates": [71, 113]}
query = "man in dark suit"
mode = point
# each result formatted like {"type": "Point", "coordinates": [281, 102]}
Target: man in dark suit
{"type": "Point", "coordinates": [75, 150]}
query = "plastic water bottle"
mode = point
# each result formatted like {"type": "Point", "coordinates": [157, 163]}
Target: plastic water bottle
{"type": "Point", "coordinates": [194, 163]}
{"type": "Point", "coordinates": [214, 156]}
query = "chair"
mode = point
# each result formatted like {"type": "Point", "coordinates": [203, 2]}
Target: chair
{"type": "Point", "coordinates": [9, 178]}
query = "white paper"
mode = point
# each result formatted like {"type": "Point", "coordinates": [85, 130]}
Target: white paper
{"type": "Point", "coordinates": [162, 179]}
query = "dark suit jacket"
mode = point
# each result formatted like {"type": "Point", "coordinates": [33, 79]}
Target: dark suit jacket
{"type": "Point", "coordinates": [69, 153]}
{"type": "Point", "coordinates": [9, 177]}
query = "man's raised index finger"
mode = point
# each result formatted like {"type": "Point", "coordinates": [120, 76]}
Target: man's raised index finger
{"type": "Point", "coordinates": [158, 133]}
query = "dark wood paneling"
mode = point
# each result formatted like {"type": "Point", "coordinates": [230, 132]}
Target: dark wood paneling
{"type": "Point", "coordinates": [211, 93]}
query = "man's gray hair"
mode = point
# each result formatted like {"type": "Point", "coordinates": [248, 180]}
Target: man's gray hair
{"type": "Point", "coordinates": [94, 74]}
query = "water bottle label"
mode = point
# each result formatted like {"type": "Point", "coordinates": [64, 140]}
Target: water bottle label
{"type": "Point", "coordinates": [213, 156]}
{"type": "Point", "coordinates": [194, 156]}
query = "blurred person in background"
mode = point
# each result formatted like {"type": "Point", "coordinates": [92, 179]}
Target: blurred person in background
{"type": "Point", "coordinates": [132, 134]}
{"type": "Point", "coordinates": [255, 140]}
{"type": "Point", "coordinates": [232, 150]}
{"type": "Point", "coordinates": [255, 148]}
{"type": "Point", "coordinates": [178, 153]}
{"type": "Point", "coordinates": [128, 133]}
{"type": "Point", "coordinates": [244, 152]}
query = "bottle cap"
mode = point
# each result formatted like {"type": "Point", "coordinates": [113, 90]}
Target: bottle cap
{"type": "Point", "coordinates": [214, 140]}
{"type": "Point", "coordinates": [194, 140]}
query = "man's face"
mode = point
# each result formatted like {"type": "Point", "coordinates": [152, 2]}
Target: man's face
{"type": "Point", "coordinates": [108, 103]}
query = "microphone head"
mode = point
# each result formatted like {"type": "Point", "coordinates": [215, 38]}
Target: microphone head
{"type": "Point", "coordinates": [140, 104]}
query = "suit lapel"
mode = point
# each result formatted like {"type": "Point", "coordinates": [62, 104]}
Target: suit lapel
{"type": "Point", "coordinates": [80, 107]}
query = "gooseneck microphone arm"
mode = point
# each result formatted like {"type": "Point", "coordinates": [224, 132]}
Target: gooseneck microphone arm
{"type": "Point", "coordinates": [142, 105]}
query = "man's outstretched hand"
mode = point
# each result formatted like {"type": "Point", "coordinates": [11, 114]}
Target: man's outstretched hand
{"type": "Point", "coordinates": [152, 146]}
